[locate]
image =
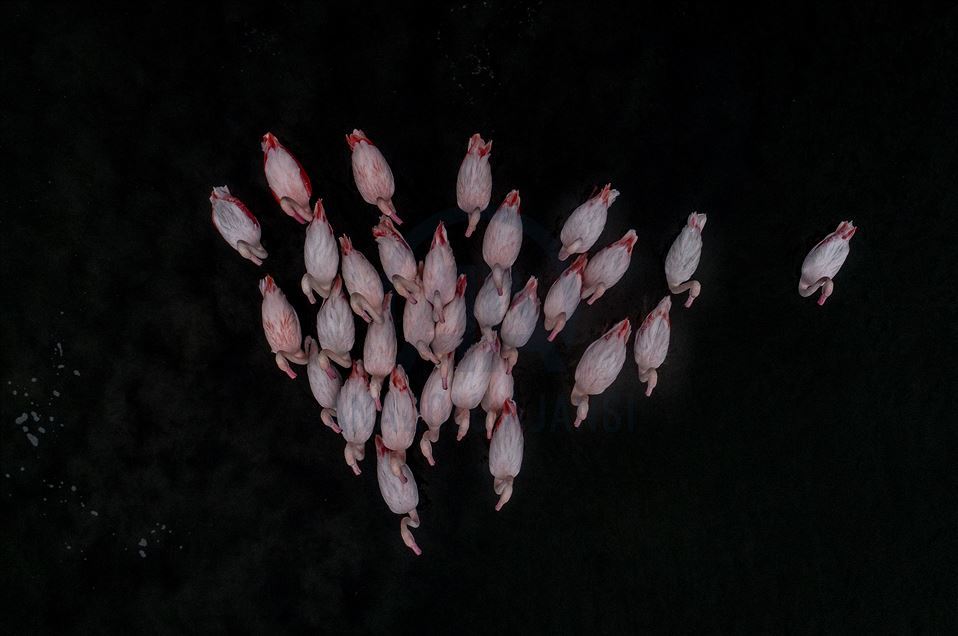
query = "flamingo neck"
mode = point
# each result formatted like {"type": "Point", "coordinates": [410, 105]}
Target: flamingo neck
{"type": "Point", "coordinates": [814, 287]}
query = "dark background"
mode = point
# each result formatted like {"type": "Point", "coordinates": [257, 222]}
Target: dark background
{"type": "Point", "coordinates": [794, 469]}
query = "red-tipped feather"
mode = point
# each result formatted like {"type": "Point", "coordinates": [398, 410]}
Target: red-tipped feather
{"type": "Point", "coordinates": [622, 330]}
{"type": "Point", "coordinates": [336, 288]}
{"type": "Point", "coordinates": [358, 371]}
{"type": "Point", "coordinates": [267, 285]}
{"type": "Point", "coordinates": [478, 146]}
{"type": "Point", "coordinates": [319, 212]}
{"type": "Point", "coordinates": [398, 379]}
{"type": "Point", "coordinates": [305, 177]}
{"type": "Point", "coordinates": [381, 449]}
{"type": "Point", "coordinates": [355, 137]}
{"type": "Point", "coordinates": [606, 192]}
{"type": "Point", "coordinates": [439, 237]}
{"type": "Point", "coordinates": [269, 142]}
{"type": "Point", "coordinates": [579, 264]}
{"type": "Point", "coordinates": [231, 199]}
{"type": "Point", "coordinates": [528, 291]}
{"type": "Point", "coordinates": [629, 240]}
{"type": "Point", "coordinates": [386, 228]}
{"type": "Point", "coordinates": [846, 230]}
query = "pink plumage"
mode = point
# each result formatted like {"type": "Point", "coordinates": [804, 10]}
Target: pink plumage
{"type": "Point", "coordinates": [519, 322]}
{"type": "Point", "coordinates": [417, 326]}
{"type": "Point", "coordinates": [652, 343]}
{"type": "Point", "coordinates": [435, 407]}
{"type": "Point", "coordinates": [607, 267]}
{"type": "Point", "coordinates": [399, 492]}
{"type": "Point", "coordinates": [503, 239]}
{"type": "Point", "coordinates": [449, 333]}
{"type": "Point", "coordinates": [321, 255]}
{"type": "Point", "coordinates": [286, 178]}
{"type": "Point", "coordinates": [505, 452]}
{"type": "Point", "coordinates": [500, 388]}
{"type": "Point", "coordinates": [563, 297]}
{"type": "Point", "coordinates": [281, 326]}
{"type": "Point", "coordinates": [356, 415]}
{"type": "Point", "coordinates": [362, 281]}
{"type": "Point", "coordinates": [379, 349]}
{"type": "Point", "coordinates": [471, 380]}
{"type": "Point", "coordinates": [335, 328]}
{"type": "Point", "coordinates": [397, 258]}
{"type": "Point", "coordinates": [824, 260]}
{"type": "Point", "coordinates": [372, 174]}
{"type": "Point", "coordinates": [583, 227]}
{"type": "Point", "coordinates": [399, 417]}
{"type": "Point", "coordinates": [237, 225]}
{"type": "Point", "coordinates": [439, 273]}
{"type": "Point", "coordinates": [683, 258]}
{"type": "Point", "coordinates": [599, 366]}
{"type": "Point", "coordinates": [474, 182]}
{"type": "Point", "coordinates": [490, 306]}
{"type": "Point", "coordinates": [324, 382]}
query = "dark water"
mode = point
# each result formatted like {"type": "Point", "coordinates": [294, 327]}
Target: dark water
{"type": "Point", "coordinates": [795, 468]}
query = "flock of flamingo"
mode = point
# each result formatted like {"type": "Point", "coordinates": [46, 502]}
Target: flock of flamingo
{"type": "Point", "coordinates": [434, 313]}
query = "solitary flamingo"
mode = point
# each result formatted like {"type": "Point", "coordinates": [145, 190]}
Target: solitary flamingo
{"type": "Point", "coordinates": [824, 261]}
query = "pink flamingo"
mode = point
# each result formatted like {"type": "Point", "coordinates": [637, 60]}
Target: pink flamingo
{"type": "Point", "coordinates": [474, 183]}
{"type": "Point", "coordinates": [824, 260]}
